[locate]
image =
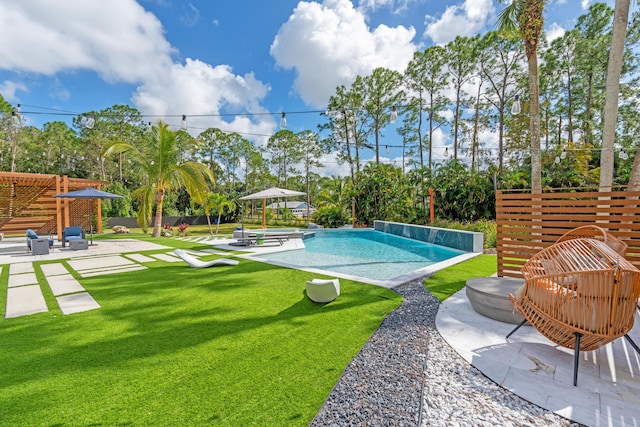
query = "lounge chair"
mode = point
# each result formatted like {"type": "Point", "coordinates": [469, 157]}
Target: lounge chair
{"type": "Point", "coordinates": [323, 290]}
{"type": "Point", "coordinates": [579, 293]}
{"type": "Point", "coordinates": [196, 263]}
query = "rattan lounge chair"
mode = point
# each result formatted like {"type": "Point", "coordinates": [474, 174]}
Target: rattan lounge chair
{"type": "Point", "coordinates": [196, 263]}
{"type": "Point", "coordinates": [598, 233]}
{"type": "Point", "coordinates": [580, 294]}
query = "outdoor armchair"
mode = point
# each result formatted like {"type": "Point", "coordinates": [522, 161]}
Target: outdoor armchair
{"type": "Point", "coordinates": [71, 233]}
{"type": "Point", "coordinates": [32, 235]}
{"type": "Point", "coordinates": [580, 294]}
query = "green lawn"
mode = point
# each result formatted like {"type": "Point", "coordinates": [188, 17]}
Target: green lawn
{"type": "Point", "coordinates": [173, 345]}
{"type": "Point", "coordinates": [447, 282]}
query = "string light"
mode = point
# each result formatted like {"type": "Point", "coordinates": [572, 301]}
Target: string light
{"type": "Point", "coordinates": [283, 121]}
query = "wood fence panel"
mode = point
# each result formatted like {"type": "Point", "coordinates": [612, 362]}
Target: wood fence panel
{"type": "Point", "coordinates": [528, 223]}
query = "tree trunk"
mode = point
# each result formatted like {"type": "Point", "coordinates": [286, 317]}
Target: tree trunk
{"type": "Point", "coordinates": [157, 224]}
{"type": "Point", "coordinates": [614, 69]}
{"type": "Point", "coordinates": [534, 124]}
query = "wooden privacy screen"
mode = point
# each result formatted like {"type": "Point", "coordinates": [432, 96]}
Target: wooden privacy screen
{"type": "Point", "coordinates": [528, 223]}
{"type": "Point", "coordinates": [26, 201]}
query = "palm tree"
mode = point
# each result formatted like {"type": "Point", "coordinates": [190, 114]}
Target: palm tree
{"type": "Point", "coordinates": [217, 204]}
{"type": "Point", "coordinates": [612, 90]}
{"type": "Point", "coordinates": [158, 161]}
{"type": "Point", "coordinates": [524, 18]}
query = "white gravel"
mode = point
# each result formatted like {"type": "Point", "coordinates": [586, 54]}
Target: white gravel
{"type": "Point", "coordinates": [407, 375]}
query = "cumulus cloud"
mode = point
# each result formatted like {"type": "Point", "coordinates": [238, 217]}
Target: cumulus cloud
{"type": "Point", "coordinates": [118, 39]}
{"type": "Point", "coordinates": [329, 44]}
{"type": "Point", "coordinates": [123, 43]}
{"type": "Point", "coordinates": [554, 31]}
{"type": "Point", "coordinates": [198, 89]}
{"type": "Point", "coordinates": [466, 19]}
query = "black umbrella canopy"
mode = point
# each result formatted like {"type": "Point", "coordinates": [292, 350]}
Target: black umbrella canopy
{"type": "Point", "coordinates": [88, 193]}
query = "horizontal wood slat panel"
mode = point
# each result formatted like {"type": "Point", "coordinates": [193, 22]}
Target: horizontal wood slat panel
{"type": "Point", "coordinates": [528, 223]}
{"type": "Point", "coordinates": [26, 201]}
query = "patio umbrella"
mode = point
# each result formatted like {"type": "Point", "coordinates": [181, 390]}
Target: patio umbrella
{"type": "Point", "coordinates": [269, 193]}
{"type": "Point", "coordinates": [91, 194]}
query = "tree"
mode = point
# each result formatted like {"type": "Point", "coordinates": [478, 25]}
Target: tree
{"type": "Point", "coordinates": [461, 56]}
{"type": "Point", "coordinates": [524, 17]}
{"type": "Point", "coordinates": [380, 93]}
{"type": "Point", "coordinates": [217, 204]}
{"type": "Point", "coordinates": [614, 69]}
{"type": "Point", "coordinates": [158, 160]}
{"type": "Point", "coordinates": [499, 58]}
{"type": "Point", "coordinates": [426, 79]}
{"type": "Point", "coordinates": [286, 151]}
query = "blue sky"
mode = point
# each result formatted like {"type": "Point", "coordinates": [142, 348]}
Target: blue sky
{"type": "Point", "coordinates": [203, 58]}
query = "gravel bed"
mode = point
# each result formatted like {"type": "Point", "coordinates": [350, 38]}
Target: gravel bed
{"type": "Point", "coordinates": [407, 375]}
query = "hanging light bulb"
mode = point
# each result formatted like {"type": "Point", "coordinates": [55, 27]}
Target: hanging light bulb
{"type": "Point", "coordinates": [183, 124]}
{"type": "Point", "coordinates": [446, 151]}
{"type": "Point", "coordinates": [87, 122]}
{"type": "Point", "coordinates": [283, 121]}
{"type": "Point", "coordinates": [623, 155]}
{"type": "Point", "coordinates": [15, 116]}
{"type": "Point", "coordinates": [394, 115]}
{"type": "Point", "coordinates": [557, 160]}
{"type": "Point", "coordinates": [515, 108]}
{"type": "Point", "coordinates": [563, 154]}
{"type": "Point", "coordinates": [387, 149]}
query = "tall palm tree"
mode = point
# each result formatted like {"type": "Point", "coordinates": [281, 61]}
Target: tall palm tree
{"type": "Point", "coordinates": [158, 161]}
{"type": "Point", "coordinates": [524, 18]}
{"type": "Point", "coordinates": [217, 204]}
{"type": "Point", "coordinates": [612, 91]}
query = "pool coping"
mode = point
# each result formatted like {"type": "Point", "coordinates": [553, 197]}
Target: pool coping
{"type": "Point", "coordinates": [254, 252]}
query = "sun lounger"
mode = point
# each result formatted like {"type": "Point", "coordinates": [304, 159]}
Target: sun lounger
{"type": "Point", "coordinates": [258, 239]}
{"type": "Point", "coordinates": [196, 263]}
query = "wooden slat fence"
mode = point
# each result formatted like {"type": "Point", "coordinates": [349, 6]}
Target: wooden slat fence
{"type": "Point", "coordinates": [528, 223]}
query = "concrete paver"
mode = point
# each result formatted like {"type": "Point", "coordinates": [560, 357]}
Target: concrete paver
{"type": "Point", "coordinates": [25, 300]}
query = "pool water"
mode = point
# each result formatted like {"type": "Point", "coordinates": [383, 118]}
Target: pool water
{"type": "Point", "coordinates": [364, 253]}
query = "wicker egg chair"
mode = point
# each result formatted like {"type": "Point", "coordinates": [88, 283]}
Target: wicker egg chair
{"type": "Point", "coordinates": [580, 294]}
{"type": "Point", "coordinates": [598, 233]}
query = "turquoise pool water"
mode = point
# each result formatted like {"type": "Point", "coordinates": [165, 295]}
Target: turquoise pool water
{"type": "Point", "coordinates": [364, 253]}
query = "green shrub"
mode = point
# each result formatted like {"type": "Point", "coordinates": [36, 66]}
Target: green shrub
{"type": "Point", "coordinates": [329, 216]}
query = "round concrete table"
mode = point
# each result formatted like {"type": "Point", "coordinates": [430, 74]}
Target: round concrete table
{"type": "Point", "coordinates": [489, 296]}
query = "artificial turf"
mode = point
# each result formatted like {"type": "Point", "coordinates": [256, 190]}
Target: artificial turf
{"type": "Point", "coordinates": [450, 280]}
{"type": "Point", "coordinates": [172, 345]}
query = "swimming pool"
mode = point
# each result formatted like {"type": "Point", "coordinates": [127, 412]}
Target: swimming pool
{"type": "Point", "coordinates": [367, 255]}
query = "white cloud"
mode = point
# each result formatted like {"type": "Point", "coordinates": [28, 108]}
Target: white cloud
{"type": "Point", "coordinates": [396, 6]}
{"type": "Point", "coordinates": [190, 16]}
{"type": "Point", "coordinates": [8, 90]}
{"type": "Point", "coordinates": [197, 88]}
{"type": "Point", "coordinates": [467, 19]}
{"type": "Point", "coordinates": [554, 31]}
{"type": "Point", "coordinates": [585, 4]}
{"type": "Point", "coordinates": [122, 43]}
{"type": "Point", "coordinates": [329, 44]}
{"type": "Point", "coordinates": [118, 39]}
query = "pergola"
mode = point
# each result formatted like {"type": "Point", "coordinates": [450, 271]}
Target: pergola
{"type": "Point", "coordinates": [26, 201]}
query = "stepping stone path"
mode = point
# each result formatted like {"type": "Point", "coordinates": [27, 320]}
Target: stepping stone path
{"type": "Point", "coordinates": [24, 293]}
